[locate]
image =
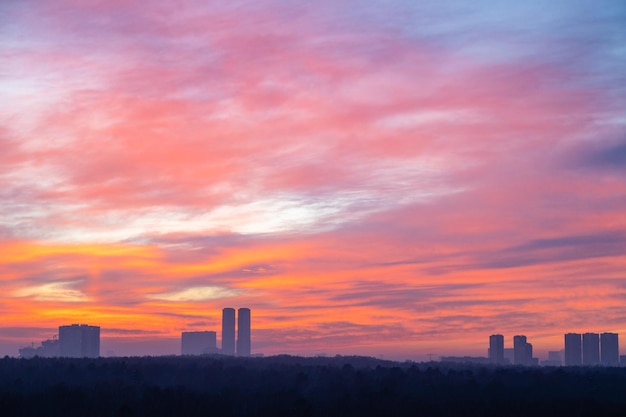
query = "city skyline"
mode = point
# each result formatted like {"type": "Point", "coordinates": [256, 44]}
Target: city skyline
{"type": "Point", "coordinates": [380, 178]}
{"type": "Point", "coordinates": [588, 349]}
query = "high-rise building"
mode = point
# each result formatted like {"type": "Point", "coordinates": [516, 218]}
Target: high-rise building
{"type": "Point", "coordinates": [573, 350]}
{"type": "Point", "coordinates": [243, 332]}
{"type": "Point", "coordinates": [79, 341]}
{"type": "Point", "coordinates": [91, 341]}
{"type": "Point", "coordinates": [496, 349]}
{"type": "Point", "coordinates": [198, 343]}
{"type": "Point", "coordinates": [522, 351]}
{"type": "Point", "coordinates": [609, 349]}
{"type": "Point", "coordinates": [228, 331]}
{"type": "Point", "coordinates": [70, 341]}
{"type": "Point", "coordinates": [591, 349]}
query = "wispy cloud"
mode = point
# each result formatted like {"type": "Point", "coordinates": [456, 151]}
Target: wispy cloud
{"type": "Point", "coordinates": [55, 291]}
{"type": "Point", "coordinates": [196, 294]}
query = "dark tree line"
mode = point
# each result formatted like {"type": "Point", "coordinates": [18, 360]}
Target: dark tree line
{"type": "Point", "coordinates": [293, 386]}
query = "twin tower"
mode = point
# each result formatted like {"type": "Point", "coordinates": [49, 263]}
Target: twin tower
{"type": "Point", "coordinates": [243, 332]}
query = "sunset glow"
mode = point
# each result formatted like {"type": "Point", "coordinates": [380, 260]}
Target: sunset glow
{"type": "Point", "coordinates": [368, 177]}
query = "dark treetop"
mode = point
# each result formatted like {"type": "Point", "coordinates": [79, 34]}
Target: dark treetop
{"type": "Point", "coordinates": [294, 386]}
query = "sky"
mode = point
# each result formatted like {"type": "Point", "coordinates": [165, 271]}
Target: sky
{"type": "Point", "coordinates": [390, 178]}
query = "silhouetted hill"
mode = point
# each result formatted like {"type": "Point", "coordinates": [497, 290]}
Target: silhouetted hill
{"type": "Point", "coordinates": [296, 386]}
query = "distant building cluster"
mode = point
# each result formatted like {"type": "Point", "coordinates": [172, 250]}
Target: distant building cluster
{"type": "Point", "coordinates": [73, 341]}
{"type": "Point", "coordinates": [592, 349]}
{"type": "Point", "coordinates": [586, 349]}
{"type": "Point", "coordinates": [204, 342]}
{"type": "Point", "coordinates": [83, 341]}
{"type": "Point", "coordinates": [521, 354]}
{"type": "Point", "coordinates": [48, 349]}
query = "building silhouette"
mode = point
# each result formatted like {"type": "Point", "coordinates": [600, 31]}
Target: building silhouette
{"type": "Point", "coordinates": [591, 349]}
{"type": "Point", "coordinates": [555, 357]}
{"type": "Point", "coordinates": [609, 349]}
{"type": "Point", "coordinates": [228, 331]}
{"type": "Point", "coordinates": [496, 349]}
{"type": "Point", "coordinates": [48, 349]}
{"type": "Point", "coordinates": [198, 343]}
{"type": "Point", "coordinates": [79, 341]}
{"type": "Point", "coordinates": [508, 355]}
{"type": "Point", "coordinates": [243, 332]}
{"type": "Point", "coordinates": [522, 351]}
{"type": "Point", "coordinates": [573, 349]}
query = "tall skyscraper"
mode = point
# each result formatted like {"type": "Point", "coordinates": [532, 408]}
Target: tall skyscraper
{"type": "Point", "coordinates": [198, 343]}
{"type": "Point", "coordinates": [228, 331]}
{"type": "Point", "coordinates": [591, 349]}
{"type": "Point", "coordinates": [609, 349]}
{"type": "Point", "coordinates": [243, 332]}
{"type": "Point", "coordinates": [70, 341]}
{"type": "Point", "coordinates": [79, 341]}
{"type": "Point", "coordinates": [522, 351]}
{"type": "Point", "coordinates": [496, 349]}
{"type": "Point", "coordinates": [573, 351]}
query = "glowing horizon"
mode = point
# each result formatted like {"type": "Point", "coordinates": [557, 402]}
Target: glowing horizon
{"type": "Point", "coordinates": [377, 177]}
